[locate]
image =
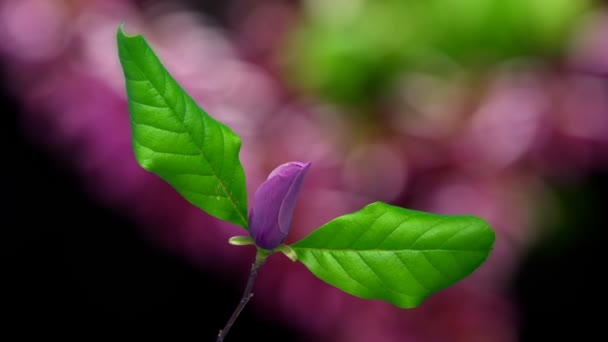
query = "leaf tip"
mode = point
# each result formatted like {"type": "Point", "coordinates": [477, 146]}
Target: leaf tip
{"type": "Point", "coordinates": [121, 32]}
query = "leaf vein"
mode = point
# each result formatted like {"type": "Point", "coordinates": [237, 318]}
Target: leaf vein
{"type": "Point", "coordinates": [156, 127]}
{"type": "Point", "coordinates": [367, 230]}
{"type": "Point", "coordinates": [348, 273]}
{"type": "Point", "coordinates": [441, 273]}
{"type": "Point", "coordinates": [459, 231]}
{"type": "Point", "coordinates": [384, 283]}
{"type": "Point", "coordinates": [394, 230]}
{"type": "Point", "coordinates": [162, 152]}
{"type": "Point", "coordinates": [410, 272]}
{"type": "Point", "coordinates": [199, 192]}
{"type": "Point", "coordinates": [429, 229]}
{"type": "Point", "coordinates": [132, 100]}
{"type": "Point", "coordinates": [164, 91]}
{"type": "Point", "coordinates": [455, 261]}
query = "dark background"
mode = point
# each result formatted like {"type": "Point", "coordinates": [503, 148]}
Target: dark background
{"type": "Point", "coordinates": [79, 271]}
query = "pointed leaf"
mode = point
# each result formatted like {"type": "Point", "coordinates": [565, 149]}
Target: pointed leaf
{"type": "Point", "coordinates": [177, 140]}
{"type": "Point", "coordinates": [398, 255]}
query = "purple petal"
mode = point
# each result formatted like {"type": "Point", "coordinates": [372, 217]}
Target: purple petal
{"type": "Point", "coordinates": [274, 202]}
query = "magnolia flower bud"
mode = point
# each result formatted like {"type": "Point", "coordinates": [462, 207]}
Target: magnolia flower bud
{"type": "Point", "coordinates": [274, 201]}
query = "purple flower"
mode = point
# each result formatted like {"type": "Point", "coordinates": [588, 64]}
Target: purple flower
{"type": "Point", "coordinates": [274, 201]}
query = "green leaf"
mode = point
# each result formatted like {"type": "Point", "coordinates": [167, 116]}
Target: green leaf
{"type": "Point", "coordinates": [398, 255]}
{"type": "Point", "coordinates": [177, 140]}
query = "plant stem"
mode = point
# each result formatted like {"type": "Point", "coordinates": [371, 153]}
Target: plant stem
{"type": "Point", "coordinates": [260, 259]}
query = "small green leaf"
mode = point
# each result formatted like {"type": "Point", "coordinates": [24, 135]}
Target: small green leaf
{"type": "Point", "coordinates": [177, 140]}
{"type": "Point", "coordinates": [398, 255]}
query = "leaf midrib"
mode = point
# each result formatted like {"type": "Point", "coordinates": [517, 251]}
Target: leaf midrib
{"type": "Point", "coordinates": [183, 93]}
{"type": "Point", "coordinates": [384, 284]}
{"type": "Point", "coordinates": [352, 250]}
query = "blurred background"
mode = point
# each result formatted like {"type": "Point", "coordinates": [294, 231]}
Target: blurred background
{"type": "Point", "coordinates": [484, 107]}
